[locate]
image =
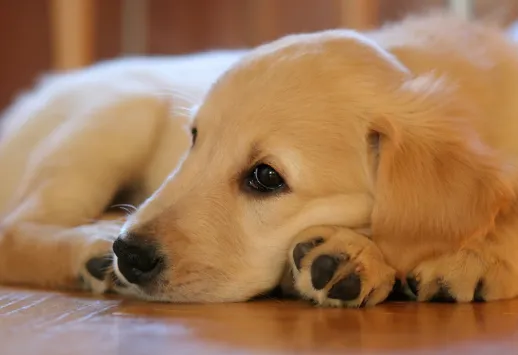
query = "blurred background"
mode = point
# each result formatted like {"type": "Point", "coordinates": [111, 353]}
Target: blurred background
{"type": "Point", "coordinates": [37, 36]}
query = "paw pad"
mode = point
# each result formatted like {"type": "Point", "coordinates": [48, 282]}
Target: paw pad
{"type": "Point", "coordinates": [347, 289]}
{"type": "Point", "coordinates": [322, 270]}
{"type": "Point", "coordinates": [413, 284]}
{"type": "Point", "coordinates": [98, 266]}
{"type": "Point", "coordinates": [479, 293]}
{"type": "Point", "coordinates": [302, 249]}
{"type": "Point", "coordinates": [443, 296]}
{"type": "Point", "coordinates": [340, 270]}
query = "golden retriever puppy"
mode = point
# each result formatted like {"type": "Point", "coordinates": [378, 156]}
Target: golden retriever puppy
{"type": "Point", "coordinates": [354, 159]}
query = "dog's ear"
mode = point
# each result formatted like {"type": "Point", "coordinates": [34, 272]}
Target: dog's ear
{"type": "Point", "coordinates": [436, 183]}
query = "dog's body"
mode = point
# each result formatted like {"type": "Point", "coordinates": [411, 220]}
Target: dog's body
{"type": "Point", "coordinates": [361, 157]}
{"type": "Point", "coordinates": [176, 83]}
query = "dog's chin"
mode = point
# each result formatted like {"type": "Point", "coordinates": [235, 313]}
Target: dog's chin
{"type": "Point", "coordinates": [157, 291]}
{"type": "Point", "coordinates": [123, 287]}
{"type": "Point", "coordinates": [153, 293]}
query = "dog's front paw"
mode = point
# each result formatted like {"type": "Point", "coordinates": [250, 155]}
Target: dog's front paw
{"type": "Point", "coordinates": [94, 261]}
{"type": "Point", "coordinates": [464, 276]}
{"type": "Point", "coordinates": [96, 267]}
{"type": "Point", "coordinates": [340, 268]}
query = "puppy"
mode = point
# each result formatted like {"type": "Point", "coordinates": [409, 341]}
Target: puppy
{"type": "Point", "coordinates": [354, 159]}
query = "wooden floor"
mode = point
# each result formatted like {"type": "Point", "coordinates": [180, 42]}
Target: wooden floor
{"type": "Point", "coordinates": [41, 323]}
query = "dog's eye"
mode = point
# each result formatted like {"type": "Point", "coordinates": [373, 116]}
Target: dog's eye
{"type": "Point", "coordinates": [264, 178]}
{"type": "Point", "coordinates": [194, 133]}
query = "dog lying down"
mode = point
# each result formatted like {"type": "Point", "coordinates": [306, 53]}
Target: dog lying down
{"type": "Point", "coordinates": [350, 160]}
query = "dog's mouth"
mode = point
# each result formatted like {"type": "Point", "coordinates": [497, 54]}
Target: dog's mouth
{"type": "Point", "coordinates": [118, 279]}
{"type": "Point", "coordinates": [121, 286]}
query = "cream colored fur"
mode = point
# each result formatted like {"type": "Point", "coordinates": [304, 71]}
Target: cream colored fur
{"type": "Point", "coordinates": [398, 148]}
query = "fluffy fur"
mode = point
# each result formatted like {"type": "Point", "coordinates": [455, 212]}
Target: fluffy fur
{"type": "Point", "coordinates": [398, 147]}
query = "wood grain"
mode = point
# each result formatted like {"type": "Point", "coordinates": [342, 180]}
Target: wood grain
{"type": "Point", "coordinates": [46, 323]}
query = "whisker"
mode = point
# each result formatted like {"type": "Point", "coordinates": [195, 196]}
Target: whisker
{"type": "Point", "coordinates": [129, 209]}
{"type": "Point", "coordinates": [125, 205]}
{"type": "Point", "coordinates": [180, 94]}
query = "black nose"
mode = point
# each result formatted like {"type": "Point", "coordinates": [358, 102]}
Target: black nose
{"type": "Point", "coordinates": [138, 262]}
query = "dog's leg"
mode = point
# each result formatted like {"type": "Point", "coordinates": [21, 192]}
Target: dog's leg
{"type": "Point", "coordinates": [482, 269]}
{"type": "Point", "coordinates": [340, 268]}
{"type": "Point", "coordinates": [37, 254]}
{"type": "Point", "coordinates": [46, 239]}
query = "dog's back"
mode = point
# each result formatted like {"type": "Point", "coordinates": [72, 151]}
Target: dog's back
{"type": "Point", "coordinates": [63, 97]}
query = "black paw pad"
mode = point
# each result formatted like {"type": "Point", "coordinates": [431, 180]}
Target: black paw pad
{"type": "Point", "coordinates": [443, 296]}
{"type": "Point", "coordinates": [478, 296]}
{"type": "Point", "coordinates": [302, 249]}
{"type": "Point", "coordinates": [413, 284]}
{"type": "Point", "coordinates": [347, 289]}
{"type": "Point", "coordinates": [322, 270]}
{"type": "Point", "coordinates": [97, 266]}
{"type": "Point", "coordinates": [399, 293]}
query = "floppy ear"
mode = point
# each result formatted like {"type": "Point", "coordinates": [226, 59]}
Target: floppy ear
{"type": "Point", "coordinates": [437, 183]}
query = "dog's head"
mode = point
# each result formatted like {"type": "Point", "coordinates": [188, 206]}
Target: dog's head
{"type": "Point", "coordinates": [314, 129]}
